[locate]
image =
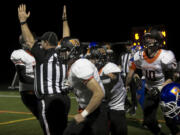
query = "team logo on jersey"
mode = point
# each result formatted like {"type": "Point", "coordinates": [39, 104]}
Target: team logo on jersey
{"type": "Point", "coordinates": [175, 91]}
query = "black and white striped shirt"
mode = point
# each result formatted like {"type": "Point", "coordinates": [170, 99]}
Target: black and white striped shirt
{"type": "Point", "coordinates": [124, 62]}
{"type": "Point", "coordinates": [50, 73]}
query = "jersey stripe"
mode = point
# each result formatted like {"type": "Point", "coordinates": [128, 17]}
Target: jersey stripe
{"type": "Point", "coordinates": [151, 60]}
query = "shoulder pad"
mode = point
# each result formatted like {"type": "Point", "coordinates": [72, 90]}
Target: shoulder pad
{"type": "Point", "coordinates": [168, 57]}
{"type": "Point", "coordinates": [83, 69]}
{"type": "Point", "coordinates": [17, 56]}
{"type": "Point", "coordinates": [111, 68]}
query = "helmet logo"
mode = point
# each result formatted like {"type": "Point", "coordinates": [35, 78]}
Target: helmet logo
{"type": "Point", "coordinates": [175, 91]}
{"type": "Point", "coordinates": [74, 42]}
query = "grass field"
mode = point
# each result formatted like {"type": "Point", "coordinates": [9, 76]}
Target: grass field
{"type": "Point", "coordinates": [15, 119]}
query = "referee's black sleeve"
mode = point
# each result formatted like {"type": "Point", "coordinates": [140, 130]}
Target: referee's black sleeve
{"type": "Point", "coordinates": [38, 52]}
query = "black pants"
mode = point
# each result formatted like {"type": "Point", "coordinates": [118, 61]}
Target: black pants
{"type": "Point", "coordinates": [95, 124]}
{"type": "Point", "coordinates": [118, 124]}
{"type": "Point", "coordinates": [53, 113]}
{"type": "Point", "coordinates": [133, 89]}
{"type": "Point", "coordinates": [30, 101]}
{"type": "Point", "coordinates": [151, 104]}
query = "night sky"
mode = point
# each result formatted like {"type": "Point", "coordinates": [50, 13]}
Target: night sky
{"type": "Point", "coordinates": [89, 20]}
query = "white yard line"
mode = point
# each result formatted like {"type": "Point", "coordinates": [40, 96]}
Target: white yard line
{"type": "Point", "coordinates": [11, 96]}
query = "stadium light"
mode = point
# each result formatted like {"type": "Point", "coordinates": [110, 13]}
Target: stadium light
{"type": "Point", "coordinates": [164, 42]}
{"type": "Point", "coordinates": [164, 33]}
{"type": "Point", "coordinates": [136, 36]}
{"type": "Point", "coordinates": [145, 31]}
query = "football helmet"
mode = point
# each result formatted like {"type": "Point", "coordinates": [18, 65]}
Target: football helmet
{"type": "Point", "coordinates": [69, 48]}
{"type": "Point", "coordinates": [170, 102]}
{"type": "Point", "coordinates": [99, 55]}
{"type": "Point", "coordinates": [152, 38]}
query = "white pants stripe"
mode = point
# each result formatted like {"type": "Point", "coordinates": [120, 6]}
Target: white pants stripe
{"type": "Point", "coordinates": [44, 118]}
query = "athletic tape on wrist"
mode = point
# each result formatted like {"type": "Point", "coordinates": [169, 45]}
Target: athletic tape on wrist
{"type": "Point", "coordinates": [84, 113]}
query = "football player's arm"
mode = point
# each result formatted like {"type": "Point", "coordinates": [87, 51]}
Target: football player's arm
{"type": "Point", "coordinates": [94, 102]}
{"type": "Point", "coordinates": [167, 82]}
{"type": "Point", "coordinates": [66, 29]}
{"type": "Point", "coordinates": [129, 77]}
{"type": "Point", "coordinates": [170, 68]}
{"type": "Point", "coordinates": [21, 70]}
{"type": "Point", "coordinates": [23, 16]}
{"type": "Point", "coordinates": [108, 78]}
{"type": "Point", "coordinates": [97, 96]}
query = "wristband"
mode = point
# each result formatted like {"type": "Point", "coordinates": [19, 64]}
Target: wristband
{"type": "Point", "coordinates": [64, 19]}
{"type": "Point", "coordinates": [22, 23]}
{"type": "Point", "coordinates": [84, 113]}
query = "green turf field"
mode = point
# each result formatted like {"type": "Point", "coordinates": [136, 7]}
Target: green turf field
{"type": "Point", "coordinates": [15, 119]}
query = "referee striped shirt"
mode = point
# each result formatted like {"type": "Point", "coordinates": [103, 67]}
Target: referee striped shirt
{"type": "Point", "coordinates": [49, 73]}
{"type": "Point", "coordinates": [124, 61]}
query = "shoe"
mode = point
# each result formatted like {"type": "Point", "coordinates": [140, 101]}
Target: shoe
{"type": "Point", "coordinates": [144, 126]}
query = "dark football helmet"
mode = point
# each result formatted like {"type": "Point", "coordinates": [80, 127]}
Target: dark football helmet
{"type": "Point", "coordinates": [69, 48]}
{"type": "Point", "coordinates": [153, 34]}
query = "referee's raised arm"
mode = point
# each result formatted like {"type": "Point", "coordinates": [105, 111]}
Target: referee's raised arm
{"type": "Point", "coordinates": [66, 29]}
{"type": "Point", "coordinates": [23, 16]}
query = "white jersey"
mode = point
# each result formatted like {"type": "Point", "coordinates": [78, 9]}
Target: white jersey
{"type": "Point", "coordinates": [118, 93]}
{"type": "Point", "coordinates": [21, 57]}
{"type": "Point", "coordinates": [154, 69]}
{"type": "Point", "coordinates": [80, 71]}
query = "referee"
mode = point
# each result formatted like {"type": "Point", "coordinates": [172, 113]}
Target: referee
{"type": "Point", "coordinates": [124, 64]}
{"type": "Point", "coordinates": [50, 73]}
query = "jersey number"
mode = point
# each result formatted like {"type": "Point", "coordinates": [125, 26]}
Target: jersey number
{"type": "Point", "coordinates": [150, 75]}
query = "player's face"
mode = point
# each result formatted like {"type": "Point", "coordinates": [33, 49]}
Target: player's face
{"type": "Point", "coordinates": [150, 41]}
{"type": "Point", "coordinates": [150, 45]}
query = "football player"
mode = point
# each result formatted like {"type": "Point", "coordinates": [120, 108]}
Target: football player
{"type": "Point", "coordinates": [116, 93]}
{"type": "Point", "coordinates": [83, 77]}
{"type": "Point", "coordinates": [114, 87]}
{"type": "Point", "coordinates": [89, 91]}
{"type": "Point", "coordinates": [24, 63]}
{"type": "Point", "coordinates": [170, 103]}
{"type": "Point", "coordinates": [155, 64]}
{"type": "Point", "coordinates": [170, 106]}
